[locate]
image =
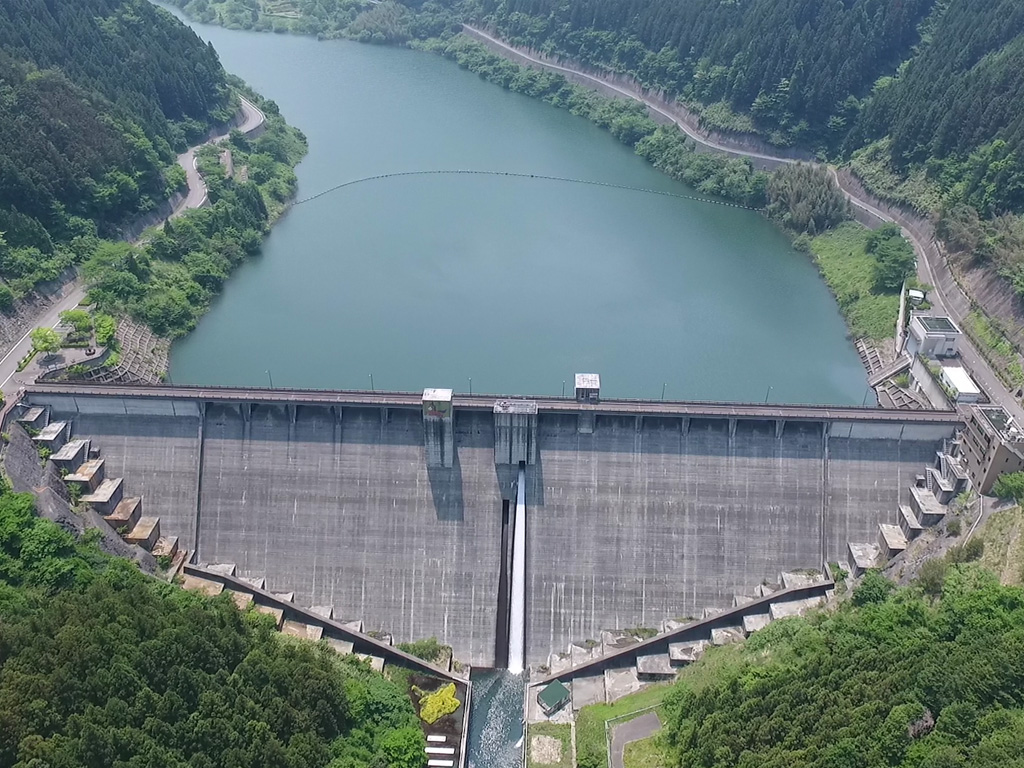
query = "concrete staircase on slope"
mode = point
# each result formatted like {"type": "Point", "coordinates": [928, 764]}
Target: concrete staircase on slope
{"type": "Point", "coordinates": [84, 473]}
{"type": "Point", "coordinates": [611, 681]}
{"type": "Point", "coordinates": [929, 497]}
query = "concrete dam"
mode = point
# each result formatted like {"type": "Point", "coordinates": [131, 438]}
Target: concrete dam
{"type": "Point", "coordinates": [394, 508]}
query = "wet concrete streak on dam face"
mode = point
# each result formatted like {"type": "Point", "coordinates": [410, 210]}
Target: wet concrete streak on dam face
{"type": "Point", "coordinates": [348, 515]}
{"type": "Point", "coordinates": [641, 526]}
{"type": "Point", "coordinates": [627, 527]}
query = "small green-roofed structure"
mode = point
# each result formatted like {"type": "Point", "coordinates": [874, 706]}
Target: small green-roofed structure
{"type": "Point", "coordinates": [553, 697]}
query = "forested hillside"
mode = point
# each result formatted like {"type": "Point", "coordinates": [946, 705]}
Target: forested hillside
{"type": "Point", "coordinates": [97, 98]}
{"type": "Point", "coordinates": [103, 666]}
{"type": "Point", "coordinates": [789, 64]}
{"type": "Point", "coordinates": [899, 680]}
{"type": "Point", "coordinates": [939, 81]}
{"type": "Point", "coordinates": [155, 70]}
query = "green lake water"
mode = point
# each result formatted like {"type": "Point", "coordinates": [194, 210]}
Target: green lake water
{"type": "Point", "coordinates": [514, 283]}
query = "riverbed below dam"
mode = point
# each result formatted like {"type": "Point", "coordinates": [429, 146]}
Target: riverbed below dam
{"type": "Point", "coordinates": [500, 284]}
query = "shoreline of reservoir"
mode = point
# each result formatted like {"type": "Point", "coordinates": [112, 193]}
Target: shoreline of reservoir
{"type": "Point", "coordinates": [516, 285]}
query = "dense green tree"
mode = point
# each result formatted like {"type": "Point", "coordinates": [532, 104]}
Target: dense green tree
{"type": "Point", "coordinates": [45, 340]}
{"type": "Point", "coordinates": [806, 198]}
{"type": "Point", "coordinates": [792, 65]}
{"type": "Point", "coordinates": [79, 319]}
{"type": "Point", "coordinates": [894, 257]}
{"type": "Point", "coordinates": [899, 681]}
{"type": "Point", "coordinates": [95, 96]}
{"type": "Point", "coordinates": [1010, 486]}
{"type": "Point", "coordinates": [101, 665]}
{"type": "Point", "coordinates": [86, 146]}
{"type": "Point", "coordinates": [155, 71]}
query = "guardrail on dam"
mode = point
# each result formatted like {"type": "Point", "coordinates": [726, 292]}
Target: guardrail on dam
{"type": "Point", "coordinates": [388, 506]}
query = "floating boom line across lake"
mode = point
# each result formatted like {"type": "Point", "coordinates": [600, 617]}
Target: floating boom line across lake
{"type": "Point", "coordinates": [513, 174]}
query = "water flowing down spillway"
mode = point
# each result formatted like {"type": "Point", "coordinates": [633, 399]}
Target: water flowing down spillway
{"type": "Point", "coordinates": [517, 603]}
{"type": "Point", "coordinates": [408, 278]}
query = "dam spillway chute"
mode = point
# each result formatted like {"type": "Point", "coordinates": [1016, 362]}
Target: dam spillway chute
{"type": "Point", "coordinates": [517, 604]}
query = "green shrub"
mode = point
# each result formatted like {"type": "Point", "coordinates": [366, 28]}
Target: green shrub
{"type": "Point", "coordinates": [440, 703]}
{"type": "Point", "coordinates": [873, 588]}
{"type": "Point", "coordinates": [932, 576]}
{"type": "Point", "coordinates": [1010, 486]}
{"type": "Point", "coordinates": [953, 527]}
{"type": "Point", "coordinates": [966, 553]}
{"type": "Point", "coordinates": [428, 649]}
{"type": "Point", "coordinates": [106, 327]}
{"type": "Point", "coordinates": [78, 319]}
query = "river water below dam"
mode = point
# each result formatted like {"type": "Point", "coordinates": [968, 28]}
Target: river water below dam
{"type": "Point", "coordinates": [499, 284]}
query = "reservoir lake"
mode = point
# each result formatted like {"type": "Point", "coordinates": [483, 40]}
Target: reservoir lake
{"type": "Point", "coordinates": [499, 284]}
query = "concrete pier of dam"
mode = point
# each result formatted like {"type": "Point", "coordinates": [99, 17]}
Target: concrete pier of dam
{"type": "Point", "coordinates": [388, 506]}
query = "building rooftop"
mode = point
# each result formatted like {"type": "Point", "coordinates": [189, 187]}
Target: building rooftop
{"type": "Point", "coordinates": [31, 415]}
{"type": "Point", "coordinates": [937, 324]}
{"type": "Point", "coordinates": [960, 380]}
{"type": "Point", "coordinates": [85, 472]}
{"type": "Point", "coordinates": [70, 450]}
{"type": "Point", "coordinates": [51, 431]}
{"type": "Point", "coordinates": [553, 696]}
{"type": "Point", "coordinates": [1001, 422]}
{"type": "Point", "coordinates": [437, 395]}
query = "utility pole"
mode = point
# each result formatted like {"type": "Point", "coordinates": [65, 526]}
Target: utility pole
{"type": "Point", "coordinates": [270, 377]}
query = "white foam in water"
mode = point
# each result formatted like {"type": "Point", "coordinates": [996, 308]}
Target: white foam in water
{"type": "Point", "coordinates": [496, 720]}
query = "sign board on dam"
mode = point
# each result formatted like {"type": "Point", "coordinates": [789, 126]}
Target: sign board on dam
{"type": "Point", "coordinates": [639, 511]}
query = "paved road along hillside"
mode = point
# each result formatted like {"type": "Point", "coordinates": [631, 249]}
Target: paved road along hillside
{"type": "Point", "coordinates": [928, 269]}
{"type": "Point", "coordinates": [251, 121]}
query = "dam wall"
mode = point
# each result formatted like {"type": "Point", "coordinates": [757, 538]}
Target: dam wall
{"type": "Point", "coordinates": [638, 512]}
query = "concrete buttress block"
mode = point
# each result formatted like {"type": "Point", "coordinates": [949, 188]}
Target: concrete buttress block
{"type": "Point", "coordinates": [438, 428]}
{"type": "Point", "coordinates": [515, 432]}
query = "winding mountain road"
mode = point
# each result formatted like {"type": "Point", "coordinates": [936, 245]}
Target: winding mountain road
{"type": "Point", "coordinates": [252, 121]}
{"type": "Point", "coordinates": [928, 271]}
{"type": "Point", "coordinates": [73, 292]}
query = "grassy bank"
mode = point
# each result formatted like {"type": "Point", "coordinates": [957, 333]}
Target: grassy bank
{"type": "Point", "coordinates": [1003, 534]}
{"type": "Point", "coordinates": [591, 746]}
{"type": "Point", "coordinates": [849, 271]}
{"type": "Point", "coordinates": [646, 753]}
